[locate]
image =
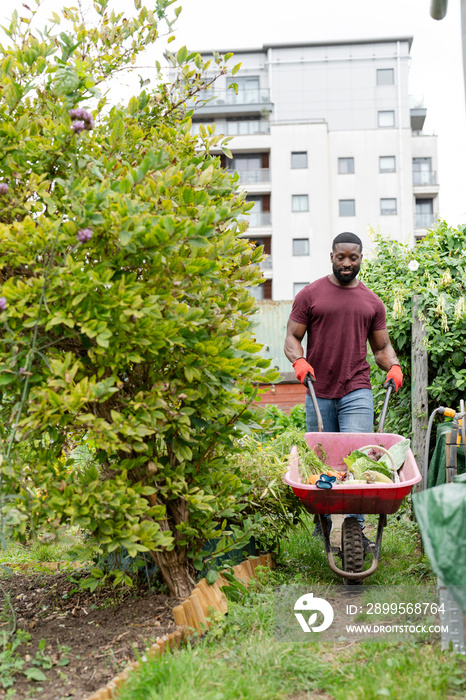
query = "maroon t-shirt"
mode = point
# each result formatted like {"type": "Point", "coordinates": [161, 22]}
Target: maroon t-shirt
{"type": "Point", "coordinates": [339, 321]}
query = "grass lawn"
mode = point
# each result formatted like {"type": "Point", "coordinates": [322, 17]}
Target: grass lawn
{"type": "Point", "coordinates": [37, 552]}
{"type": "Point", "coordinates": [239, 657]}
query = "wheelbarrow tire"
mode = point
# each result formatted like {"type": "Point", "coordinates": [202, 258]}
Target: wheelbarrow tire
{"type": "Point", "coordinates": [352, 549]}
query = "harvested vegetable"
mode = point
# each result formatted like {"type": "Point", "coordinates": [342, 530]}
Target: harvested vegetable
{"type": "Point", "coordinates": [309, 462]}
{"type": "Point", "coordinates": [398, 452]}
{"type": "Point", "coordinates": [372, 465]}
{"type": "Point", "coordinates": [357, 463]}
{"type": "Point", "coordinates": [341, 476]}
{"type": "Point", "coordinates": [373, 477]}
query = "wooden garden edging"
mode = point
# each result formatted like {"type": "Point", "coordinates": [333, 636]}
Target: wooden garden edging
{"type": "Point", "coordinates": [192, 617]}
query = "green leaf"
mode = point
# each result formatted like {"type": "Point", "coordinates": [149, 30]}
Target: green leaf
{"type": "Point", "coordinates": [118, 131]}
{"type": "Point", "coordinates": [35, 674]}
{"type": "Point", "coordinates": [182, 55]}
{"type": "Point", "coordinates": [211, 576]}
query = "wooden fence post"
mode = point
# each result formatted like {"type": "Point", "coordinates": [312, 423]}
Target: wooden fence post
{"type": "Point", "coordinates": [419, 379]}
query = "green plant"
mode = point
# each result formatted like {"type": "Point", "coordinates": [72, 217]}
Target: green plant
{"type": "Point", "coordinates": [434, 271]}
{"type": "Point", "coordinates": [124, 305]}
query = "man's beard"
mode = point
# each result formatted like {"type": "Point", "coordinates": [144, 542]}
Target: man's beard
{"type": "Point", "coordinates": [345, 279]}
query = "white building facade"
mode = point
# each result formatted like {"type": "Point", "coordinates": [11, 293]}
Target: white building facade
{"type": "Point", "coordinates": [325, 140]}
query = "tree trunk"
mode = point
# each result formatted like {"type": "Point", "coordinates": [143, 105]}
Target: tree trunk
{"type": "Point", "coordinates": [175, 571]}
{"type": "Point", "coordinates": [174, 564]}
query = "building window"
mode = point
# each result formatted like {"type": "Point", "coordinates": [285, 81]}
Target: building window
{"type": "Point", "coordinates": [300, 246]}
{"type": "Point", "coordinates": [424, 212]}
{"type": "Point", "coordinates": [299, 202]}
{"type": "Point", "coordinates": [345, 166]}
{"type": "Point", "coordinates": [388, 206]}
{"type": "Point", "coordinates": [257, 292]}
{"type": "Point", "coordinates": [347, 207]}
{"type": "Point", "coordinates": [297, 286]}
{"type": "Point", "coordinates": [298, 159]}
{"type": "Point", "coordinates": [260, 214]}
{"type": "Point", "coordinates": [387, 164]}
{"type": "Point", "coordinates": [386, 118]}
{"type": "Point", "coordinates": [422, 172]}
{"type": "Point", "coordinates": [385, 76]}
{"type": "Point", "coordinates": [248, 90]}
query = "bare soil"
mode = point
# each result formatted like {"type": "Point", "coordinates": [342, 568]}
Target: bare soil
{"type": "Point", "coordinates": [89, 637]}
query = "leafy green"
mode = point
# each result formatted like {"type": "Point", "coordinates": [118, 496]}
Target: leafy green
{"type": "Point", "coordinates": [398, 452]}
{"type": "Point", "coordinates": [359, 463]}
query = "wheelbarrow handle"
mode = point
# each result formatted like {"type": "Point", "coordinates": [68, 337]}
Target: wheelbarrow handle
{"type": "Point", "coordinates": [389, 386]}
{"type": "Point", "coordinates": [309, 379]}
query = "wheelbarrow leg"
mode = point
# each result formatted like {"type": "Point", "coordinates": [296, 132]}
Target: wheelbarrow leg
{"type": "Point", "coordinates": [375, 560]}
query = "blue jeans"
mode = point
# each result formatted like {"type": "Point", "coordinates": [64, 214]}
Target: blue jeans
{"type": "Point", "coordinates": [353, 413]}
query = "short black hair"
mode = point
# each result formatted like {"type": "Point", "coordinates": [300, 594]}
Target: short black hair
{"type": "Point", "coordinates": [347, 237]}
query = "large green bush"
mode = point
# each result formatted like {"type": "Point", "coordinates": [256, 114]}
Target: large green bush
{"type": "Point", "coordinates": [125, 315]}
{"type": "Point", "coordinates": [434, 270]}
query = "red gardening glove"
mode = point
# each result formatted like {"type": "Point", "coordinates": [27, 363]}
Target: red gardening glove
{"type": "Point", "coordinates": [301, 368]}
{"type": "Point", "coordinates": [396, 374]}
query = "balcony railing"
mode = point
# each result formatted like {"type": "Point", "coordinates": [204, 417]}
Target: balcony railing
{"type": "Point", "coordinates": [242, 127]}
{"type": "Point", "coordinates": [258, 218]}
{"type": "Point", "coordinates": [428, 177]}
{"type": "Point", "coordinates": [228, 97]}
{"type": "Point", "coordinates": [253, 177]}
{"type": "Point", "coordinates": [267, 263]}
{"type": "Point", "coordinates": [424, 220]}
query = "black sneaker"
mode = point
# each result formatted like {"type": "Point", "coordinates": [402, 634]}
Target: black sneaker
{"type": "Point", "coordinates": [318, 529]}
{"type": "Point", "coordinates": [368, 546]}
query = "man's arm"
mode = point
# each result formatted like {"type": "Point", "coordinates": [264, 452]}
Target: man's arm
{"type": "Point", "coordinates": [294, 351]}
{"type": "Point", "coordinates": [294, 335]}
{"type": "Point", "coordinates": [382, 348]}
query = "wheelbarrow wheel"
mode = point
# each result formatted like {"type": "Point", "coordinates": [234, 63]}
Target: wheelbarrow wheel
{"type": "Point", "coordinates": [352, 549]}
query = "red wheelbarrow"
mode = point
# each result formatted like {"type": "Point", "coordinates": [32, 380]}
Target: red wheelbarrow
{"type": "Point", "coordinates": [343, 498]}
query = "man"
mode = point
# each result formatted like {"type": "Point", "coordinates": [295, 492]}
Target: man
{"type": "Point", "coordinates": [340, 314]}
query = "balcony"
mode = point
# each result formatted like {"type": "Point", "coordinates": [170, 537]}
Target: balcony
{"type": "Point", "coordinates": [424, 220]}
{"type": "Point", "coordinates": [258, 219]}
{"type": "Point", "coordinates": [237, 128]}
{"type": "Point", "coordinates": [227, 102]}
{"type": "Point", "coordinates": [425, 178]}
{"type": "Point", "coordinates": [417, 112]}
{"type": "Point", "coordinates": [244, 97]}
{"type": "Point", "coordinates": [266, 264]}
{"type": "Point", "coordinates": [253, 177]}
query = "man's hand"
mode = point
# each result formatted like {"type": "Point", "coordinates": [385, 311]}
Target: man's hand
{"type": "Point", "coordinates": [301, 368]}
{"type": "Point", "coordinates": [396, 374]}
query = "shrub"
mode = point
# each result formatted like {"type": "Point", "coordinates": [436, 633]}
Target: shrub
{"type": "Point", "coordinates": [435, 271]}
{"type": "Point", "coordinates": [125, 313]}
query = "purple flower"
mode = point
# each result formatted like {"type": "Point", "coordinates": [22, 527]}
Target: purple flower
{"type": "Point", "coordinates": [84, 235]}
{"type": "Point", "coordinates": [3, 188]}
{"type": "Point", "coordinates": [3, 303]}
{"type": "Point", "coordinates": [22, 370]}
{"type": "Point", "coordinates": [81, 116]}
{"type": "Point", "coordinates": [78, 127]}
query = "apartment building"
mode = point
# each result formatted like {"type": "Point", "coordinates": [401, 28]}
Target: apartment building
{"type": "Point", "coordinates": [325, 139]}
